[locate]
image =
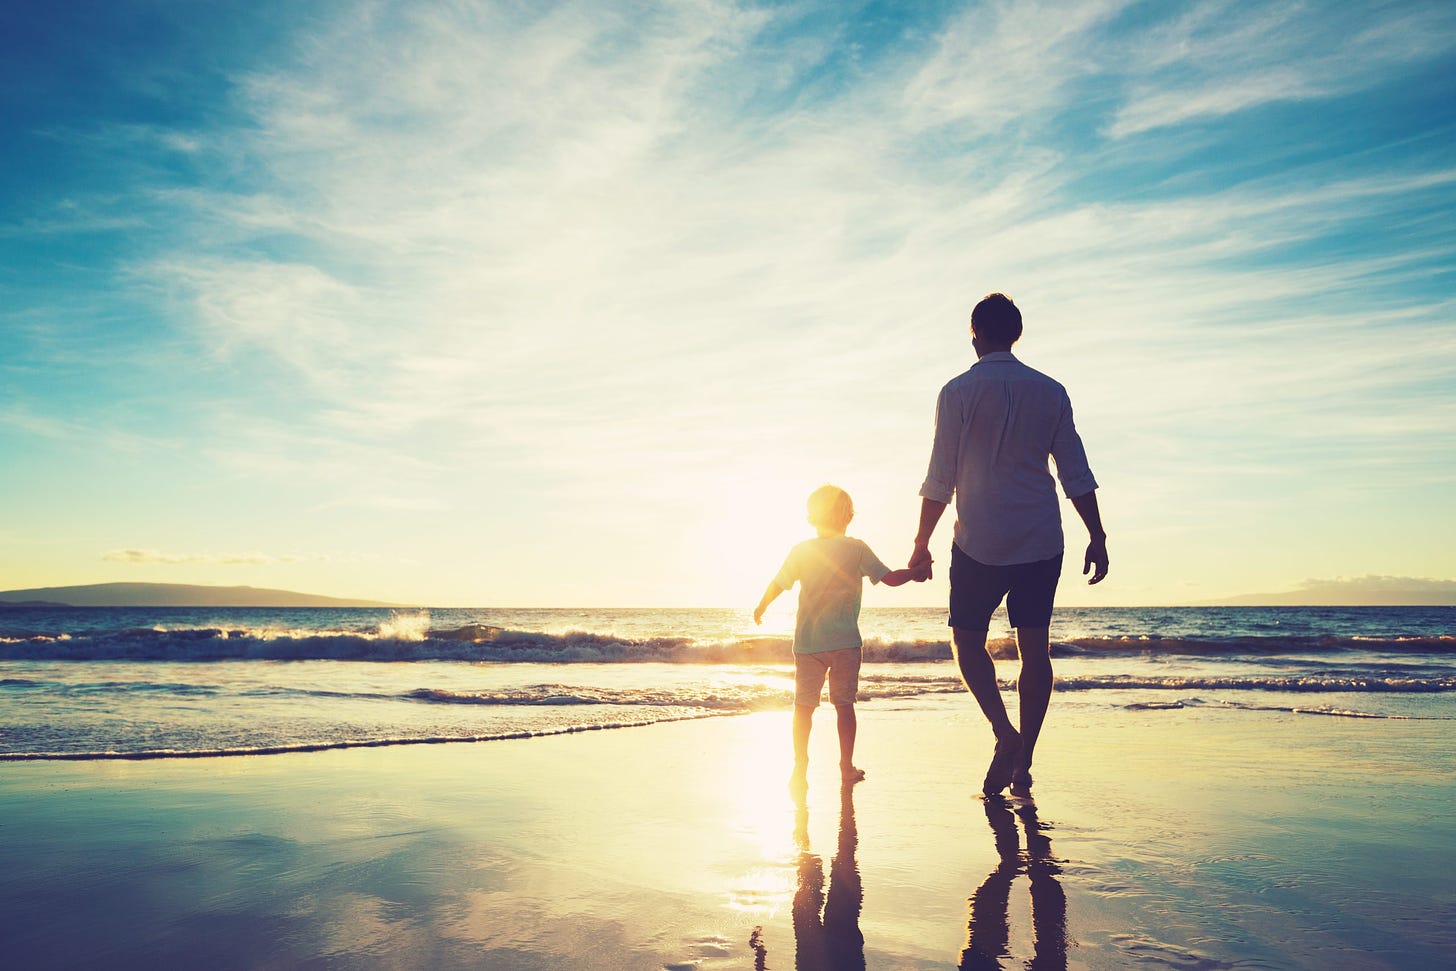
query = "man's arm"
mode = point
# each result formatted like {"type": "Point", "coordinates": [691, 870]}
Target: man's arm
{"type": "Point", "coordinates": [1086, 506]}
{"type": "Point", "coordinates": [769, 596]}
{"type": "Point", "coordinates": [930, 513]}
{"type": "Point", "coordinates": [940, 479]}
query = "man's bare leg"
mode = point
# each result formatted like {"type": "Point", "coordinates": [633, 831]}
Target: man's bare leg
{"type": "Point", "coordinates": [848, 725]}
{"type": "Point", "coordinates": [978, 672]}
{"type": "Point", "coordinates": [1034, 688]}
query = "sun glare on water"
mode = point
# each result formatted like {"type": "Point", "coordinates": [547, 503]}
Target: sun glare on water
{"type": "Point", "coordinates": [757, 811]}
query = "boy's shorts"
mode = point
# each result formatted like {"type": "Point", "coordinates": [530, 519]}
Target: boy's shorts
{"type": "Point", "coordinates": [842, 667]}
{"type": "Point", "coordinates": [976, 590]}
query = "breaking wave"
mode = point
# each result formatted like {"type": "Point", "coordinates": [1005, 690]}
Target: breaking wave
{"type": "Point", "coordinates": [409, 639]}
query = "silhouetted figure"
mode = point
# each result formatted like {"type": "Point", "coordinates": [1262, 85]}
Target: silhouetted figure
{"type": "Point", "coordinates": [996, 426]}
{"type": "Point", "coordinates": [827, 641]}
{"type": "Point", "coordinates": [990, 928]}
{"type": "Point", "coordinates": [760, 951]}
{"type": "Point", "coordinates": [826, 926]}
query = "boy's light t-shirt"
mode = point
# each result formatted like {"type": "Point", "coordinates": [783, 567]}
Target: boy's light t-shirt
{"type": "Point", "coordinates": [828, 570]}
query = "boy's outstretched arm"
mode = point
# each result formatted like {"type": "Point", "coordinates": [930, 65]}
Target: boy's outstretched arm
{"type": "Point", "coordinates": [769, 596]}
{"type": "Point", "coordinates": [897, 577]}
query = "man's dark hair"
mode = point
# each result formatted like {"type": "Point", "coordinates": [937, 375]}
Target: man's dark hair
{"type": "Point", "coordinates": [996, 319]}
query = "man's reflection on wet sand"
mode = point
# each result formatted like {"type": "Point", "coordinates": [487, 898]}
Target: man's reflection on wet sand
{"type": "Point", "coordinates": [826, 926]}
{"type": "Point", "coordinates": [990, 930]}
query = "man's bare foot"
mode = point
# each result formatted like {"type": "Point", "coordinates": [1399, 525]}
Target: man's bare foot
{"type": "Point", "coordinates": [1003, 760]}
{"type": "Point", "coordinates": [848, 773]}
{"type": "Point", "coordinates": [1021, 783]}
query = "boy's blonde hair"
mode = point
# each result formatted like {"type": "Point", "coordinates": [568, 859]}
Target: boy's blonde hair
{"type": "Point", "coordinates": [830, 508]}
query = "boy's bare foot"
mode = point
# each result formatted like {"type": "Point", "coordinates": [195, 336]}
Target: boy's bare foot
{"type": "Point", "coordinates": [998, 773]}
{"type": "Point", "coordinates": [848, 773]}
{"type": "Point", "coordinates": [799, 783]}
{"type": "Point", "coordinates": [1021, 783]}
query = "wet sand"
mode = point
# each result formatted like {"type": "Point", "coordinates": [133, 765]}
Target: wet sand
{"type": "Point", "coordinates": [1188, 839]}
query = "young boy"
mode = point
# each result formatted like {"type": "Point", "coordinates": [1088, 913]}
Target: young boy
{"type": "Point", "coordinates": [826, 633]}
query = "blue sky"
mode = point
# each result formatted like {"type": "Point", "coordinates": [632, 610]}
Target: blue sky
{"type": "Point", "coordinates": [572, 304]}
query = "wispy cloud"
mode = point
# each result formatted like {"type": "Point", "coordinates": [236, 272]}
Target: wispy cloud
{"type": "Point", "coordinates": [1001, 63]}
{"type": "Point", "coordinates": [1221, 57]}
{"type": "Point", "coordinates": [541, 199]}
{"type": "Point", "coordinates": [546, 235]}
{"type": "Point", "coordinates": [42, 425]}
{"type": "Point", "coordinates": [594, 255]}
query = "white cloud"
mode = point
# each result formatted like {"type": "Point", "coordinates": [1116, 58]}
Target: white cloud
{"type": "Point", "coordinates": [508, 207]}
{"type": "Point", "coordinates": [1002, 62]}
{"type": "Point", "coordinates": [1220, 57]}
{"type": "Point", "coordinates": [44, 426]}
{"type": "Point", "coordinates": [563, 252]}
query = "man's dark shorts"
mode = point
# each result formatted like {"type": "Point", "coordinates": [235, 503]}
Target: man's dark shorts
{"type": "Point", "coordinates": [976, 590]}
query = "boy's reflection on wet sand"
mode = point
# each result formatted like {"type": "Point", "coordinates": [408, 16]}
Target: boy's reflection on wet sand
{"type": "Point", "coordinates": [826, 925]}
{"type": "Point", "coordinates": [990, 931]}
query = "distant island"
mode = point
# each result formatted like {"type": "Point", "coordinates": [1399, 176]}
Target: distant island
{"type": "Point", "coordinates": [1366, 591]}
{"type": "Point", "coordinates": [171, 595]}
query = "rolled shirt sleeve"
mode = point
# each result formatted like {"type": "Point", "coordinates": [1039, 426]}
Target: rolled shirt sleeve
{"type": "Point", "coordinates": [1070, 457]}
{"type": "Point", "coordinates": [940, 478]}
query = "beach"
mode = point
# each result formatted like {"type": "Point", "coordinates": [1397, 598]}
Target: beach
{"type": "Point", "coordinates": [439, 436]}
{"type": "Point", "coordinates": [1186, 838]}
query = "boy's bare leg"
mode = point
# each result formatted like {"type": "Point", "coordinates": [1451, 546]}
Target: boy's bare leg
{"type": "Point", "coordinates": [803, 721]}
{"type": "Point", "coordinates": [978, 672]}
{"type": "Point", "coordinates": [1034, 688]}
{"type": "Point", "coordinates": [848, 725]}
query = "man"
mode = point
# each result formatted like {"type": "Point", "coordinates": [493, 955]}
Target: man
{"type": "Point", "coordinates": [995, 426]}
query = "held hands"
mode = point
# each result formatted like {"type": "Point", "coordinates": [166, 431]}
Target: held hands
{"type": "Point", "coordinates": [919, 565]}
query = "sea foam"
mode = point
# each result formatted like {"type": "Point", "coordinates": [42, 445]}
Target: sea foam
{"type": "Point", "coordinates": [408, 637]}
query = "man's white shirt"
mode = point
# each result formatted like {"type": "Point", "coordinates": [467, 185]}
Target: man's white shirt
{"type": "Point", "coordinates": [995, 427]}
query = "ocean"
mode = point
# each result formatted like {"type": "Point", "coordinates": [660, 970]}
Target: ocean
{"type": "Point", "coordinates": [137, 683]}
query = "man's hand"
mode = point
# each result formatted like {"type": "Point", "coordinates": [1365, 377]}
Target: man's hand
{"type": "Point", "coordinates": [920, 560]}
{"type": "Point", "coordinates": [1086, 506]}
{"type": "Point", "coordinates": [758, 615]}
{"type": "Point", "coordinates": [1096, 557]}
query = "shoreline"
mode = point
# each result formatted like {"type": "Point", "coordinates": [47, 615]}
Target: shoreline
{"type": "Point", "coordinates": [304, 748]}
{"type": "Point", "coordinates": [1174, 838]}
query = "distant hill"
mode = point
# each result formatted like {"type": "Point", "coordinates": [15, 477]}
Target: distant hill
{"type": "Point", "coordinates": [173, 595]}
{"type": "Point", "coordinates": [1366, 591]}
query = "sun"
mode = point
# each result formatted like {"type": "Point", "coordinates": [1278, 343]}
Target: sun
{"type": "Point", "coordinates": [745, 545]}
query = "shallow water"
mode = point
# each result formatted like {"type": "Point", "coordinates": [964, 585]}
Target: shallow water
{"type": "Point", "coordinates": [140, 682]}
